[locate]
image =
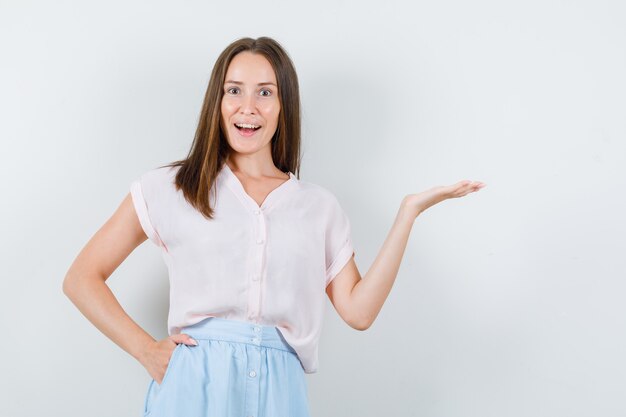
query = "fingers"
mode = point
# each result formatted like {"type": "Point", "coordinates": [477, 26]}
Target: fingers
{"type": "Point", "coordinates": [183, 338]}
{"type": "Point", "coordinates": [465, 187]}
{"type": "Point", "coordinates": [471, 184]}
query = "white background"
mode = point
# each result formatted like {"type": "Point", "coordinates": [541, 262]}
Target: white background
{"type": "Point", "coordinates": [509, 302]}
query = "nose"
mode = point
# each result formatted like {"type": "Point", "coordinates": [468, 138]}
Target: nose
{"type": "Point", "coordinates": [248, 104]}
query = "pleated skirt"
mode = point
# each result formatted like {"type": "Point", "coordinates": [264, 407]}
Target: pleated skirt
{"type": "Point", "coordinates": [238, 369]}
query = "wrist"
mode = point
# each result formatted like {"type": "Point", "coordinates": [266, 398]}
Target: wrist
{"type": "Point", "coordinates": [408, 211]}
{"type": "Point", "coordinates": [144, 348]}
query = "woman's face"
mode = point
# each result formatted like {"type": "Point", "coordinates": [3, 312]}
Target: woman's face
{"type": "Point", "coordinates": [250, 99]}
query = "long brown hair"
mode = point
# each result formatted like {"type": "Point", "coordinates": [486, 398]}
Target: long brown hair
{"type": "Point", "coordinates": [210, 148]}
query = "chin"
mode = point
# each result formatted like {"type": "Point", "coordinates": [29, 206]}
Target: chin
{"type": "Point", "coordinates": [241, 145]}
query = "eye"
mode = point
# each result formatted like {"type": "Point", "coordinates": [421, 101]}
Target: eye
{"type": "Point", "coordinates": [265, 92]}
{"type": "Point", "coordinates": [232, 90]}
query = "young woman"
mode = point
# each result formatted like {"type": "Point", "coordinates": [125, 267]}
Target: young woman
{"type": "Point", "coordinates": [251, 251]}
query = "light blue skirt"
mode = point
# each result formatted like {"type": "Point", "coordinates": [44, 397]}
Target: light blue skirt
{"type": "Point", "coordinates": [238, 369]}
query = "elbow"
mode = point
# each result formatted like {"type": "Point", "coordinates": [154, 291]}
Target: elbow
{"type": "Point", "coordinates": [361, 327]}
{"type": "Point", "coordinates": [68, 286]}
{"type": "Point", "coordinates": [362, 324]}
{"type": "Point", "coordinates": [71, 285]}
{"type": "Point", "coordinates": [75, 284]}
{"type": "Point", "coordinates": [359, 319]}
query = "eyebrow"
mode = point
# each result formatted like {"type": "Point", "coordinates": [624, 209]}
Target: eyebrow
{"type": "Point", "coordinates": [240, 83]}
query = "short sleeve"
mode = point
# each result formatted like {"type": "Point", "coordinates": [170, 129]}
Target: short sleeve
{"type": "Point", "coordinates": [339, 248]}
{"type": "Point", "coordinates": [141, 208]}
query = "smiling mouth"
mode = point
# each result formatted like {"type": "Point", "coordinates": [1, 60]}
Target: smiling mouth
{"type": "Point", "coordinates": [246, 128]}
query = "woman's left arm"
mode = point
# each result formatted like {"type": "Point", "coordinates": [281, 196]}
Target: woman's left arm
{"type": "Point", "coordinates": [359, 300]}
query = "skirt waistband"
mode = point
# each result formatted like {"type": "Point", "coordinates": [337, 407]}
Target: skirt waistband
{"type": "Point", "coordinates": [218, 328]}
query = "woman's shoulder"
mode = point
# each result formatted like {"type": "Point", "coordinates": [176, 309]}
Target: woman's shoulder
{"type": "Point", "coordinates": [156, 183]}
{"type": "Point", "coordinates": [317, 192]}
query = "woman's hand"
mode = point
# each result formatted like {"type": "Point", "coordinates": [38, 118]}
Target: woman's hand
{"type": "Point", "coordinates": [417, 203]}
{"type": "Point", "coordinates": [156, 355]}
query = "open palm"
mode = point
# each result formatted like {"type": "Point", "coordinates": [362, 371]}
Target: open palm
{"type": "Point", "coordinates": [422, 201]}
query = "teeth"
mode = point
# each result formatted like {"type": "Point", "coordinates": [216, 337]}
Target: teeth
{"type": "Point", "coordinates": [245, 125]}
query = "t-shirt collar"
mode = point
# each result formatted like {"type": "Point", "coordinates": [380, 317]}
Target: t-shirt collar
{"type": "Point", "coordinates": [232, 181]}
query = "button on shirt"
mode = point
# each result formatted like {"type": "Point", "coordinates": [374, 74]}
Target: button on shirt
{"type": "Point", "coordinates": [267, 264]}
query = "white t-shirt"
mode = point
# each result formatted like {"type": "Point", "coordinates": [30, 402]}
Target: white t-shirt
{"type": "Point", "coordinates": [267, 265]}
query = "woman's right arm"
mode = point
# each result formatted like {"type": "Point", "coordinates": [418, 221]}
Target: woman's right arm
{"type": "Point", "coordinates": [84, 284]}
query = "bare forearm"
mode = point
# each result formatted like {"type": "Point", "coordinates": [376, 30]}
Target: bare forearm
{"type": "Point", "coordinates": [370, 293]}
{"type": "Point", "coordinates": [96, 301]}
